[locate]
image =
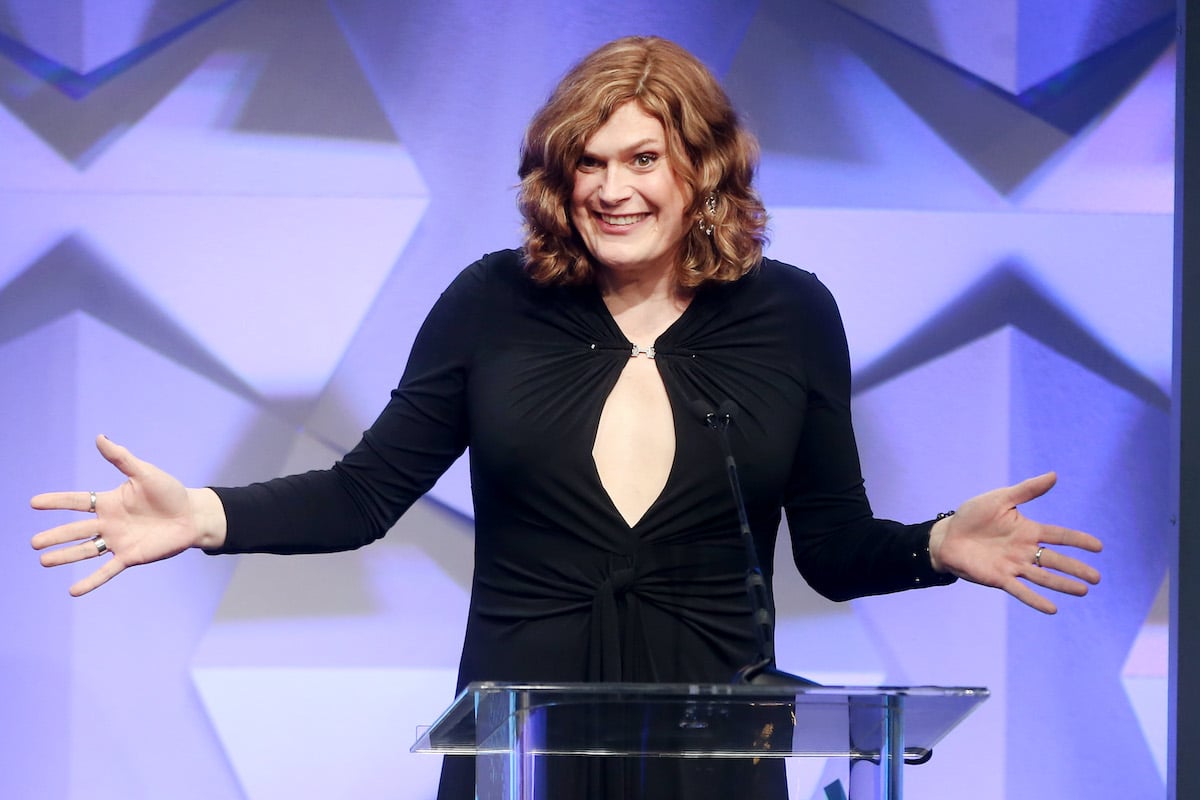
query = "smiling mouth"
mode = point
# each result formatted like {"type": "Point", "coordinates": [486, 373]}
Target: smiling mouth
{"type": "Point", "coordinates": [624, 219]}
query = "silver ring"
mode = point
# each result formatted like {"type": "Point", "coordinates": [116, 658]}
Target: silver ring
{"type": "Point", "coordinates": [1037, 557]}
{"type": "Point", "coordinates": [92, 500]}
{"type": "Point", "coordinates": [101, 545]}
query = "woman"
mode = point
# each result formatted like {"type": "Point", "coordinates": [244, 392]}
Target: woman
{"type": "Point", "coordinates": [578, 372]}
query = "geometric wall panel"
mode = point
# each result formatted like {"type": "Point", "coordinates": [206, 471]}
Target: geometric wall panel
{"type": "Point", "coordinates": [885, 124]}
{"type": "Point", "coordinates": [1014, 44]}
{"type": "Point", "coordinates": [1124, 161]}
{"type": "Point", "coordinates": [1009, 407]}
{"type": "Point", "coordinates": [100, 675]}
{"type": "Point", "coordinates": [1112, 450]}
{"type": "Point", "coordinates": [1145, 677]}
{"type": "Point", "coordinates": [891, 270]}
{"type": "Point", "coordinates": [326, 732]}
{"type": "Point", "coordinates": [973, 119]}
{"type": "Point", "coordinates": [265, 261]}
{"type": "Point", "coordinates": [226, 196]}
{"type": "Point", "coordinates": [267, 46]}
{"type": "Point", "coordinates": [339, 656]}
{"type": "Point", "coordinates": [84, 36]}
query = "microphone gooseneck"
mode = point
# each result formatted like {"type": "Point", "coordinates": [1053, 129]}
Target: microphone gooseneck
{"type": "Point", "coordinates": [761, 671]}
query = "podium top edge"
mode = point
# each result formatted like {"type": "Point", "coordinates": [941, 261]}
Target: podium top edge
{"type": "Point", "coordinates": [722, 689]}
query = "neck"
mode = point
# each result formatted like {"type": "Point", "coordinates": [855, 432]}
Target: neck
{"type": "Point", "coordinates": [623, 291]}
{"type": "Point", "coordinates": [643, 307]}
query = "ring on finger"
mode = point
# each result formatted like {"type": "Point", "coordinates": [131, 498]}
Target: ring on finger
{"type": "Point", "coordinates": [1037, 557]}
{"type": "Point", "coordinates": [91, 502]}
{"type": "Point", "coordinates": [101, 545]}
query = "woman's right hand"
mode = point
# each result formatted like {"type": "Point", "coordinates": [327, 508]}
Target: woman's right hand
{"type": "Point", "coordinates": [149, 517]}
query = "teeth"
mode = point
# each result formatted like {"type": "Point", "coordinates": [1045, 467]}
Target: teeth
{"type": "Point", "coordinates": [628, 219]}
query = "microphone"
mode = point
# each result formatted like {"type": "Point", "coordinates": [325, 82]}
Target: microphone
{"type": "Point", "coordinates": [762, 670]}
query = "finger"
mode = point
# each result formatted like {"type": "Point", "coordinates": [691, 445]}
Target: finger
{"type": "Point", "coordinates": [63, 501]}
{"type": "Point", "coordinates": [1056, 582]}
{"type": "Point", "coordinates": [1052, 560]}
{"type": "Point", "coordinates": [110, 569]}
{"type": "Point", "coordinates": [71, 532]}
{"type": "Point", "coordinates": [120, 457]}
{"type": "Point", "coordinates": [1031, 598]}
{"type": "Point", "coordinates": [69, 555]}
{"type": "Point", "coordinates": [1031, 488]}
{"type": "Point", "coordinates": [1068, 537]}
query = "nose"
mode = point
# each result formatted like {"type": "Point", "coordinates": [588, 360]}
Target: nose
{"type": "Point", "coordinates": [614, 188]}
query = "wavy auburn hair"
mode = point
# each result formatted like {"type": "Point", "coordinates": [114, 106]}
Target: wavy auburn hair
{"type": "Point", "coordinates": [707, 148]}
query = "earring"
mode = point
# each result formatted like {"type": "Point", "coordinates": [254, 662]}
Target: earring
{"type": "Point", "coordinates": [710, 206]}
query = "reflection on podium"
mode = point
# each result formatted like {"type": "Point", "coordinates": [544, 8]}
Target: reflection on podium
{"type": "Point", "coordinates": [515, 730]}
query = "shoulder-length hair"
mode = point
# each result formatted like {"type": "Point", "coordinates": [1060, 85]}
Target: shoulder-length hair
{"type": "Point", "coordinates": [708, 149]}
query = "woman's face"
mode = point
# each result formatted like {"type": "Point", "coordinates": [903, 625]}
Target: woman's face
{"type": "Point", "coordinates": [627, 204]}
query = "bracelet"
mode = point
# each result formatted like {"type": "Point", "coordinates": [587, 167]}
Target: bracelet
{"type": "Point", "coordinates": [943, 515]}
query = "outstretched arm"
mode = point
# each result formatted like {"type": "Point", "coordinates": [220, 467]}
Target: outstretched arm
{"type": "Point", "coordinates": [151, 516]}
{"type": "Point", "coordinates": [988, 541]}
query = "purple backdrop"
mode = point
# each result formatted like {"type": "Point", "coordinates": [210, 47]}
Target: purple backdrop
{"type": "Point", "coordinates": [222, 223]}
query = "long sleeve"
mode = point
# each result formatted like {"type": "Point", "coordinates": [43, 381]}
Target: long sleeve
{"type": "Point", "coordinates": [418, 435]}
{"type": "Point", "coordinates": [840, 548]}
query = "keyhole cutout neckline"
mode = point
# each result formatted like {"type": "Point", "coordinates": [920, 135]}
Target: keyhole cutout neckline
{"type": "Point", "coordinates": [634, 447]}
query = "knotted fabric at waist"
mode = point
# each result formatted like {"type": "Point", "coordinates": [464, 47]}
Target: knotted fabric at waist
{"type": "Point", "coordinates": [690, 582]}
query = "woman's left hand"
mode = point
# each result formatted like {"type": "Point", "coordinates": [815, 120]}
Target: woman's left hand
{"type": "Point", "coordinates": [988, 541]}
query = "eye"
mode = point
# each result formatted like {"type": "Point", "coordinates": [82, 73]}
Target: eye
{"type": "Point", "coordinates": [587, 163]}
{"type": "Point", "coordinates": [645, 160]}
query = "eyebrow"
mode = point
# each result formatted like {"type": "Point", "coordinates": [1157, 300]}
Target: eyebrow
{"type": "Point", "coordinates": [633, 148]}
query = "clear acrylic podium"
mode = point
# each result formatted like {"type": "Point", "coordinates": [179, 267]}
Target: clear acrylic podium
{"type": "Point", "coordinates": [507, 726]}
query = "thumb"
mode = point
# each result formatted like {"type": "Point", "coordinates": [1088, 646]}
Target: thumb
{"type": "Point", "coordinates": [119, 457]}
{"type": "Point", "coordinates": [1031, 488]}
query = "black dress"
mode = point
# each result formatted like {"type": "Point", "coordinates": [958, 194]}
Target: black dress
{"type": "Point", "coordinates": [564, 589]}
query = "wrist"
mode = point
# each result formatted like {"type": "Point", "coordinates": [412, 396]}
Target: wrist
{"type": "Point", "coordinates": [937, 535]}
{"type": "Point", "coordinates": [208, 516]}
